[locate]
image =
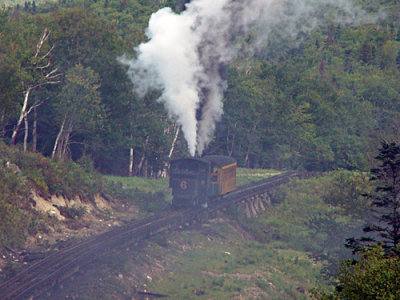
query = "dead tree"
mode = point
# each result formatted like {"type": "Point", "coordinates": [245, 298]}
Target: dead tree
{"type": "Point", "coordinates": [42, 74]}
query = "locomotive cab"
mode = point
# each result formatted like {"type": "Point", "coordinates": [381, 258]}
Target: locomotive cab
{"type": "Point", "coordinates": [195, 180]}
{"type": "Point", "coordinates": [189, 179]}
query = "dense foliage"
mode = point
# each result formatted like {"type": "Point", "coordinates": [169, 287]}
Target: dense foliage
{"type": "Point", "coordinates": [376, 273]}
{"type": "Point", "coordinates": [322, 104]}
{"type": "Point", "coordinates": [375, 276]}
{"type": "Point", "coordinates": [316, 216]}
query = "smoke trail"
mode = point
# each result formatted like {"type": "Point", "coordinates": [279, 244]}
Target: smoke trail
{"type": "Point", "coordinates": [187, 54]}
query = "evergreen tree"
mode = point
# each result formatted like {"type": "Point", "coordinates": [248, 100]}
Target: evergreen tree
{"type": "Point", "coordinates": [386, 202]}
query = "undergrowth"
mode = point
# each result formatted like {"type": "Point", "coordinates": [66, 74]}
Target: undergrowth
{"type": "Point", "coordinates": [21, 173]}
{"type": "Point", "coordinates": [297, 244]}
{"type": "Point", "coordinates": [316, 216]}
{"type": "Point", "coordinates": [281, 254]}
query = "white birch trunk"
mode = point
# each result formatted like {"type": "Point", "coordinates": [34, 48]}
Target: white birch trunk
{"type": "Point", "coordinates": [26, 133]}
{"type": "Point", "coordinates": [34, 131]}
{"type": "Point", "coordinates": [2, 125]}
{"type": "Point", "coordinates": [131, 162]}
{"type": "Point", "coordinates": [21, 116]}
{"type": "Point", "coordinates": [67, 136]}
{"type": "Point", "coordinates": [142, 159]}
{"type": "Point", "coordinates": [50, 78]}
{"type": "Point", "coordinates": [56, 143]}
{"type": "Point", "coordinates": [171, 151]}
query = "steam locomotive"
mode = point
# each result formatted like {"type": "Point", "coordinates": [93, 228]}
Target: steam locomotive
{"type": "Point", "coordinates": [196, 181]}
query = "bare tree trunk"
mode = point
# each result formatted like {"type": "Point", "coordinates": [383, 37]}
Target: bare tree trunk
{"type": "Point", "coordinates": [171, 151]}
{"type": "Point", "coordinates": [34, 130]}
{"type": "Point", "coordinates": [67, 136]}
{"type": "Point", "coordinates": [230, 141]}
{"type": "Point", "coordinates": [131, 162]}
{"type": "Point", "coordinates": [143, 158]}
{"type": "Point", "coordinates": [140, 164]}
{"type": "Point", "coordinates": [145, 169]}
{"type": "Point", "coordinates": [2, 125]}
{"type": "Point", "coordinates": [246, 160]}
{"type": "Point", "coordinates": [58, 138]}
{"type": "Point", "coordinates": [21, 115]}
{"type": "Point", "coordinates": [26, 121]}
{"type": "Point", "coordinates": [174, 141]}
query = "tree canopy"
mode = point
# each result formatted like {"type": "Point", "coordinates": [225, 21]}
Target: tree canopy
{"type": "Point", "coordinates": [322, 102]}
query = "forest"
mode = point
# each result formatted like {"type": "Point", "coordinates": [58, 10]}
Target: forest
{"type": "Point", "coordinates": [321, 102]}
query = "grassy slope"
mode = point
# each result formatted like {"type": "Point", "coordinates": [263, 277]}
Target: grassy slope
{"type": "Point", "coordinates": [293, 245]}
{"type": "Point", "coordinates": [225, 264]}
{"type": "Point", "coordinates": [21, 2]}
{"type": "Point", "coordinates": [279, 255]}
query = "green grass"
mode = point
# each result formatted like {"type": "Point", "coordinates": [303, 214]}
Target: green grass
{"type": "Point", "coordinates": [297, 245]}
{"type": "Point", "coordinates": [245, 176]}
{"type": "Point", "coordinates": [280, 255]}
{"type": "Point", "coordinates": [147, 185]}
{"type": "Point", "coordinates": [8, 3]}
{"type": "Point", "coordinates": [227, 266]}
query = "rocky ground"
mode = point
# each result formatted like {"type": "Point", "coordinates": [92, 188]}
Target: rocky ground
{"type": "Point", "coordinates": [84, 219]}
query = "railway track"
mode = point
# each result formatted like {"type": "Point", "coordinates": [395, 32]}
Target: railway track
{"type": "Point", "coordinates": [54, 267]}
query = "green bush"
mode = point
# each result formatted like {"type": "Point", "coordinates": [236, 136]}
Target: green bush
{"type": "Point", "coordinates": [346, 190]}
{"type": "Point", "coordinates": [13, 225]}
{"type": "Point", "coordinates": [55, 177]}
{"type": "Point", "coordinates": [74, 212]}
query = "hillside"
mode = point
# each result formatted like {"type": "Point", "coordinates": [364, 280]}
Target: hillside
{"type": "Point", "coordinates": [97, 96]}
{"type": "Point", "coordinates": [45, 204]}
{"type": "Point", "coordinates": [280, 254]}
{"type": "Point", "coordinates": [319, 99]}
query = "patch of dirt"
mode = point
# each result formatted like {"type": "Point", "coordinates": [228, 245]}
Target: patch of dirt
{"type": "Point", "coordinates": [98, 216]}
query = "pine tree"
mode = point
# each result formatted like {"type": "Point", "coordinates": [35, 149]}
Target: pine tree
{"type": "Point", "coordinates": [386, 202]}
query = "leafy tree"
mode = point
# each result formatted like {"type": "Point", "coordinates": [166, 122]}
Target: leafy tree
{"type": "Point", "coordinates": [37, 73]}
{"type": "Point", "coordinates": [248, 105]}
{"type": "Point", "coordinates": [79, 108]}
{"type": "Point", "coordinates": [8, 90]}
{"type": "Point", "coordinates": [374, 276]}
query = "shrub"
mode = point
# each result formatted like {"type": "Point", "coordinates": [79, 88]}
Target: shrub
{"type": "Point", "coordinates": [74, 212]}
{"type": "Point", "coordinates": [20, 173]}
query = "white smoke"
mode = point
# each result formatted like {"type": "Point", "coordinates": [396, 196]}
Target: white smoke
{"type": "Point", "coordinates": [187, 52]}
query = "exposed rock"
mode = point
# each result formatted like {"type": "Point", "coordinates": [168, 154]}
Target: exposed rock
{"type": "Point", "coordinates": [46, 206]}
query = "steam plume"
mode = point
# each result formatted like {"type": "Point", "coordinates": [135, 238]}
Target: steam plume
{"type": "Point", "coordinates": [187, 53]}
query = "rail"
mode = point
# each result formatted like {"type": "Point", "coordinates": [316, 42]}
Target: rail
{"type": "Point", "coordinates": [54, 266]}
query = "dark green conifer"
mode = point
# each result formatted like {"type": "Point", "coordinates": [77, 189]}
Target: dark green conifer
{"type": "Point", "coordinates": [385, 228]}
